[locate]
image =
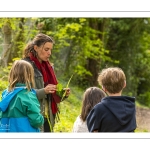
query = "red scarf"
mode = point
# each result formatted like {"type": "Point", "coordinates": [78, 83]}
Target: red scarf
{"type": "Point", "coordinates": [49, 78]}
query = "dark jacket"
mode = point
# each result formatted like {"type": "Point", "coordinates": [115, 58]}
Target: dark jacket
{"type": "Point", "coordinates": [44, 99]}
{"type": "Point", "coordinates": [113, 114]}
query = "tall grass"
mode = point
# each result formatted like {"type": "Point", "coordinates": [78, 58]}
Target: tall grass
{"type": "Point", "coordinates": [69, 110]}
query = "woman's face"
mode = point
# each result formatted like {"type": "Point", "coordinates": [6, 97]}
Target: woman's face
{"type": "Point", "coordinates": [44, 51]}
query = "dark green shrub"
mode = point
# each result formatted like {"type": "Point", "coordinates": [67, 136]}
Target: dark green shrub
{"type": "Point", "coordinates": [144, 99]}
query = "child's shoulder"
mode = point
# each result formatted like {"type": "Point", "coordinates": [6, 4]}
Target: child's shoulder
{"type": "Point", "coordinates": [100, 106]}
{"type": "Point", "coordinates": [26, 94]}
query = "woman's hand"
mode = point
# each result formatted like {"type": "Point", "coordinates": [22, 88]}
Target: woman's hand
{"type": "Point", "coordinates": [67, 91]}
{"type": "Point", "coordinates": [50, 88]}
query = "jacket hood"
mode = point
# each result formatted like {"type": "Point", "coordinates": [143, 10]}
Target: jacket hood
{"type": "Point", "coordinates": [8, 96]}
{"type": "Point", "coordinates": [122, 107]}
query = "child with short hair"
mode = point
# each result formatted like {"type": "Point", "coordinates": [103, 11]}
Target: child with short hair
{"type": "Point", "coordinates": [91, 97]}
{"type": "Point", "coordinates": [115, 113]}
{"type": "Point", "coordinates": [19, 107]}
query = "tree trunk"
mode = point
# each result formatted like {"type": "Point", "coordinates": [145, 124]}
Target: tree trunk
{"type": "Point", "coordinates": [93, 64]}
{"type": "Point", "coordinates": [19, 40]}
{"type": "Point", "coordinates": [7, 33]}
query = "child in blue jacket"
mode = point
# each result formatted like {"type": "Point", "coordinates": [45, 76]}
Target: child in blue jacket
{"type": "Point", "coordinates": [19, 106]}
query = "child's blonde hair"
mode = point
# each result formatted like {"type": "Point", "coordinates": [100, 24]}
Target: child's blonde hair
{"type": "Point", "coordinates": [21, 72]}
{"type": "Point", "coordinates": [112, 79]}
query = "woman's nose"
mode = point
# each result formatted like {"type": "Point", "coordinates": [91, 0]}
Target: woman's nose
{"type": "Point", "coordinates": [49, 52]}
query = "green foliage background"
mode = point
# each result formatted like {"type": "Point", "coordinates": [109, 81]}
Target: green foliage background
{"type": "Point", "coordinates": [83, 47]}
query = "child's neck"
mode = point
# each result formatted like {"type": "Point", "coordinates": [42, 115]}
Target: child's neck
{"type": "Point", "coordinates": [114, 94]}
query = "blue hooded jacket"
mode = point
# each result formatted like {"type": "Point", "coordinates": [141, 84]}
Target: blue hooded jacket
{"type": "Point", "coordinates": [20, 111]}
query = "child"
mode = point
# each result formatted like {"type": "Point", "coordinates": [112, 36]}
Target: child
{"type": "Point", "coordinates": [115, 113]}
{"type": "Point", "coordinates": [19, 107]}
{"type": "Point", "coordinates": [91, 97]}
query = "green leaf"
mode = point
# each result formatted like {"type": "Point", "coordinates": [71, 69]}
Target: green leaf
{"type": "Point", "coordinates": [60, 90]}
{"type": "Point", "coordinates": [66, 87]}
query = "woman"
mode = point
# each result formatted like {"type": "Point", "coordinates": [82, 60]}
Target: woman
{"type": "Point", "coordinates": [38, 52]}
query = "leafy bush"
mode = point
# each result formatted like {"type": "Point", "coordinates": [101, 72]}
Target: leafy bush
{"type": "Point", "coordinates": [3, 84]}
{"type": "Point", "coordinates": [3, 78]}
{"type": "Point", "coordinates": [144, 99]}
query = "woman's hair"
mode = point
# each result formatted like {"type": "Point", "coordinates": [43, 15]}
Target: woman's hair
{"type": "Point", "coordinates": [113, 79]}
{"type": "Point", "coordinates": [21, 72]}
{"type": "Point", "coordinates": [91, 97]}
{"type": "Point", "coordinates": [39, 39]}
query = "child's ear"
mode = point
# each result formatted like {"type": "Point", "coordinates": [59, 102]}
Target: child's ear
{"type": "Point", "coordinates": [103, 89]}
{"type": "Point", "coordinates": [124, 84]}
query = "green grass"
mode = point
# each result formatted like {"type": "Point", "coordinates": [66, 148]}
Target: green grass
{"type": "Point", "coordinates": [69, 110]}
{"type": "Point", "coordinates": [140, 131]}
